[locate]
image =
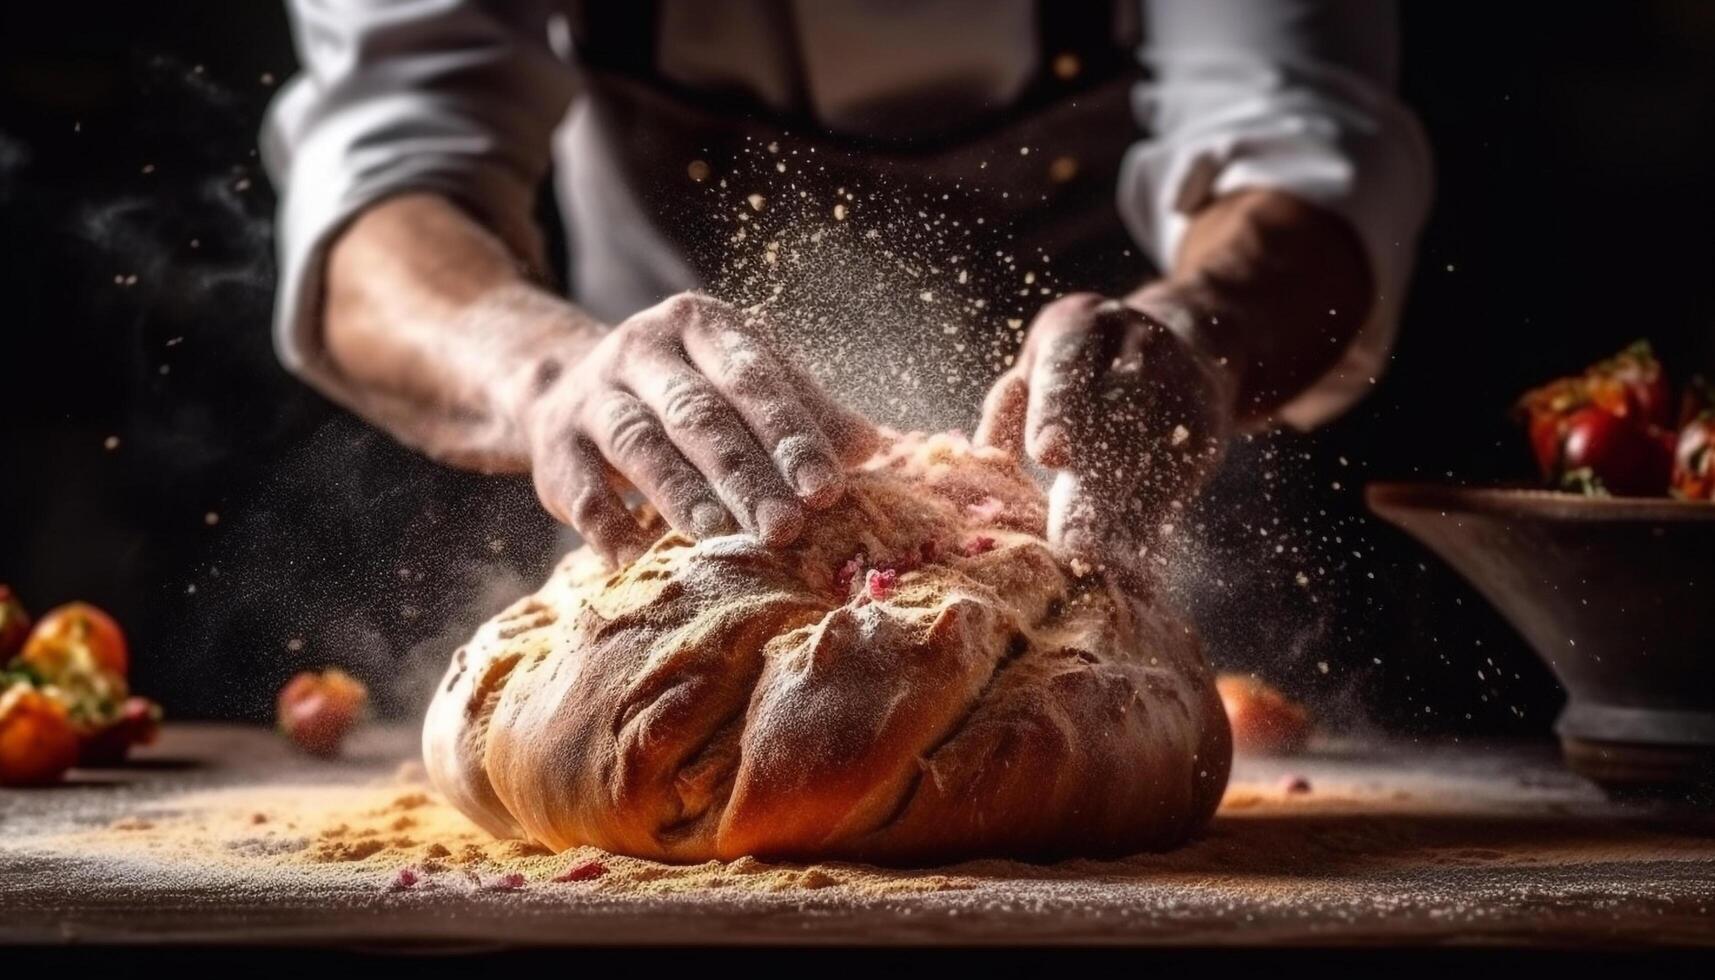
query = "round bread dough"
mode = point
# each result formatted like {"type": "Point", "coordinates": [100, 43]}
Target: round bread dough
{"type": "Point", "coordinates": [919, 679]}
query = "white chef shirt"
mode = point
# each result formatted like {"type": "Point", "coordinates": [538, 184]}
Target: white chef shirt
{"type": "Point", "coordinates": [475, 99]}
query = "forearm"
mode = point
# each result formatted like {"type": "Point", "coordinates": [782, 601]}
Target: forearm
{"type": "Point", "coordinates": [439, 334]}
{"type": "Point", "coordinates": [1271, 287]}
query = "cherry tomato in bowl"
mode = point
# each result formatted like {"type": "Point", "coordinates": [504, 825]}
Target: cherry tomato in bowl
{"type": "Point", "coordinates": [1606, 430]}
{"type": "Point", "coordinates": [1632, 385]}
{"type": "Point", "coordinates": [1694, 451]}
{"type": "Point", "coordinates": [1630, 460]}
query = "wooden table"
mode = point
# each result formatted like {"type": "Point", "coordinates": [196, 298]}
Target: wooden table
{"type": "Point", "coordinates": [1422, 845]}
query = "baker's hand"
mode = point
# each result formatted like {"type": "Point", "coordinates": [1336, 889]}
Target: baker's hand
{"type": "Point", "coordinates": [1129, 414]}
{"type": "Point", "coordinates": [687, 403]}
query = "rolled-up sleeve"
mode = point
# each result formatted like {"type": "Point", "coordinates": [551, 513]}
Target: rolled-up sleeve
{"type": "Point", "coordinates": [1293, 95]}
{"type": "Point", "coordinates": [457, 97]}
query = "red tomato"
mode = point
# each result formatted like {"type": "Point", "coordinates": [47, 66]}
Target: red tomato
{"type": "Point", "coordinates": [78, 624]}
{"type": "Point", "coordinates": [316, 711]}
{"type": "Point", "coordinates": [1632, 384]}
{"type": "Point", "coordinates": [1612, 420]}
{"type": "Point", "coordinates": [1545, 442]}
{"type": "Point", "coordinates": [1629, 459]}
{"type": "Point", "coordinates": [1694, 460]}
{"type": "Point", "coordinates": [37, 741]}
{"type": "Point", "coordinates": [137, 723]}
{"type": "Point", "coordinates": [1263, 720]}
{"type": "Point", "coordinates": [14, 624]}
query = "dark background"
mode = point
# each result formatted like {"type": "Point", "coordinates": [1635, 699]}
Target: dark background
{"type": "Point", "coordinates": [1573, 144]}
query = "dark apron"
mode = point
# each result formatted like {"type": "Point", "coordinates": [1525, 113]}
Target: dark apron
{"type": "Point", "coordinates": [1057, 200]}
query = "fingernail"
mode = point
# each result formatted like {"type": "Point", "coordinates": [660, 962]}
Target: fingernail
{"type": "Point", "coordinates": [816, 480]}
{"type": "Point", "coordinates": [778, 521]}
{"type": "Point", "coordinates": [708, 518]}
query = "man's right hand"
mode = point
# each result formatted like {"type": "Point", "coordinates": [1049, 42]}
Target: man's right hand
{"type": "Point", "coordinates": [688, 403]}
{"type": "Point", "coordinates": [433, 330]}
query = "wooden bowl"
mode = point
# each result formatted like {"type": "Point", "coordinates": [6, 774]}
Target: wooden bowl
{"type": "Point", "coordinates": [1617, 594]}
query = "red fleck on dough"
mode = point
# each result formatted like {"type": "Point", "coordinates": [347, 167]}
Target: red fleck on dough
{"type": "Point", "coordinates": [982, 544]}
{"type": "Point", "coordinates": [880, 582]}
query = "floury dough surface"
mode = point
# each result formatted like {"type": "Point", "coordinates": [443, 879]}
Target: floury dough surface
{"type": "Point", "coordinates": [1482, 844]}
{"type": "Point", "coordinates": [918, 678]}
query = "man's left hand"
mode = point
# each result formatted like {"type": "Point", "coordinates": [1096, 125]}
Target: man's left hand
{"type": "Point", "coordinates": [1128, 414]}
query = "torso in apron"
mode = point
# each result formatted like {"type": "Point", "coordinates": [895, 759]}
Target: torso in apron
{"type": "Point", "coordinates": [901, 273]}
